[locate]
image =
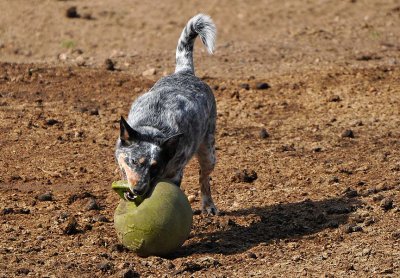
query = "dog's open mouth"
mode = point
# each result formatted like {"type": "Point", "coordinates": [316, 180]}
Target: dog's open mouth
{"type": "Point", "coordinates": [129, 196]}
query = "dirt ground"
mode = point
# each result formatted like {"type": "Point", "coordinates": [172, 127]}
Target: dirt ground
{"type": "Point", "coordinates": [308, 173]}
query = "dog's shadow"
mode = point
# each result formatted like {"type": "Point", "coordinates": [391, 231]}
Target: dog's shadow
{"type": "Point", "coordinates": [281, 221]}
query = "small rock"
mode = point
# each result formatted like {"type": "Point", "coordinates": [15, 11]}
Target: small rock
{"type": "Point", "coordinates": [396, 235]}
{"type": "Point", "coordinates": [149, 72]}
{"type": "Point", "coordinates": [104, 267]}
{"type": "Point", "coordinates": [71, 227]}
{"type": "Point", "coordinates": [264, 133]}
{"type": "Point", "coordinates": [109, 65]}
{"type": "Point", "coordinates": [80, 61]}
{"type": "Point", "coordinates": [48, 196]}
{"type": "Point", "coordinates": [245, 86]}
{"type": "Point", "coordinates": [118, 247]}
{"type": "Point", "coordinates": [51, 122]}
{"type": "Point", "coordinates": [335, 98]}
{"type": "Point", "coordinates": [351, 228]}
{"type": "Point", "coordinates": [92, 205]}
{"type": "Point", "coordinates": [251, 255]}
{"type": "Point", "coordinates": [7, 211]}
{"type": "Point", "coordinates": [262, 86]}
{"type": "Point", "coordinates": [72, 12]}
{"type": "Point", "coordinates": [244, 176]}
{"type": "Point", "coordinates": [334, 179]}
{"type": "Point", "coordinates": [296, 258]}
{"type": "Point", "coordinates": [387, 204]}
{"type": "Point", "coordinates": [350, 193]}
{"type": "Point", "coordinates": [101, 218]}
{"type": "Point", "coordinates": [366, 251]}
{"type": "Point", "coordinates": [191, 198]}
{"type": "Point", "coordinates": [348, 133]}
{"type": "Point", "coordinates": [130, 273]}
{"type": "Point", "coordinates": [23, 271]}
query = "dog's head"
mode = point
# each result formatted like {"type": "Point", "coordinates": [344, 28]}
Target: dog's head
{"type": "Point", "coordinates": [142, 159]}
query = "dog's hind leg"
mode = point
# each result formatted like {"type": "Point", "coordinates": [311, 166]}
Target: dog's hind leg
{"type": "Point", "coordinates": [206, 158]}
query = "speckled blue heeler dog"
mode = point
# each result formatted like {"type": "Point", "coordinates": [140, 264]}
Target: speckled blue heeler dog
{"type": "Point", "coordinates": [172, 122]}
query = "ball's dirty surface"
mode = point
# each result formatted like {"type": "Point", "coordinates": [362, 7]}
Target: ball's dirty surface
{"type": "Point", "coordinates": [157, 225]}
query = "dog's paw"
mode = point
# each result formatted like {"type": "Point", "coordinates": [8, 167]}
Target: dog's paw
{"type": "Point", "coordinates": [209, 209]}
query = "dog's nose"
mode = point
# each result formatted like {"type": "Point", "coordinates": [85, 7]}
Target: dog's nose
{"type": "Point", "coordinates": [138, 191]}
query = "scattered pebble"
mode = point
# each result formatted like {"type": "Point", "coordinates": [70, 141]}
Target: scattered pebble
{"type": "Point", "coordinates": [71, 227]}
{"type": "Point", "coordinates": [23, 271]}
{"type": "Point", "coordinates": [335, 98]}
{"type": "Point", "coordinates": [244, 176]}
{"type": "Point", "coordinates": [386, 204]}
{"type": "Point", "coordinates": [149, 72]}
{"type": "Point", "coordinates": [109, 65]}
{"type": "Point", "coordinates": [264, 133]}
{"type": "Point", "coordinates": [52, 122]}
{"type": "Point", "coordinates": [334, 179]}
{"type": "Point", "coordinates": [396, 235]}
{"type": "Point", "coordinates": [351, 228]}
{"type": "Point", "coordinates": [101, 218]}
{"type": "Point", "coordinates": [92, 205]}
{"type": "Point", "coordinates": [130, 273]}
{"type": "Point", "coordinates": [191, 198]}
{"type": "Point", "coordinates": [245, 86]}
{"type": "Point", "coordinates": [251, 255]}
{"type": "Point", "coordinates": [262, 86]}
{"type": "Point", "coordinates": [104, 267]}
{"type": "Point", "coordinates": [48, 196]}
{"type": "Point", "coordinates": [72, 12]}
{"type": "Point", "coordinates": [348, 133]}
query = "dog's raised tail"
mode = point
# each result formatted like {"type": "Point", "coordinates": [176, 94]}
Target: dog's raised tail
{"type": "Point", "coordinates": [199, 25]}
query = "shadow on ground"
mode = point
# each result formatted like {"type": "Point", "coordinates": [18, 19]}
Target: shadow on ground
{"type": "Point", "coordinates": [281, 221]}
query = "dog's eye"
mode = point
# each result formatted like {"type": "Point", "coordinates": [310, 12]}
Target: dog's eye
{"type": "Point", "coordinates": [153, 170]}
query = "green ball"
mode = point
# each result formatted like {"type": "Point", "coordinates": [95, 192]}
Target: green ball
{"type": "Point", "coordinates": [157, 225]}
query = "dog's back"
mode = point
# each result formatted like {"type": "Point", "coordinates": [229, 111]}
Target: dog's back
{"type": "Point", "coordinates": [181, 102]}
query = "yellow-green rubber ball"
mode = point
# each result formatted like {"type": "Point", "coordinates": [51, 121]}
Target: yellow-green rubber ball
{"type": "Point", "coordinates": [159, 225]}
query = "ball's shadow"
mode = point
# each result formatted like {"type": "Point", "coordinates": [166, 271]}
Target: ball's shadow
{"type": "Point", "coordinates": [281, 221]}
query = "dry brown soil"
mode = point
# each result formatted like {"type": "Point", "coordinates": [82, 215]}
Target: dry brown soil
{"type": "Point", "coordinates": [326, 200]}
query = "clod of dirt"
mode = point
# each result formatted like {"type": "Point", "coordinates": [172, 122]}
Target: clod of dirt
{"type": "Point", "coordinates": [101, 218]}
{"type": "Point", "coordinates": [109, 65]}
{"type": "Point", "coordinates": [104, 267]}
{"type": "Point", "coordinates": [23, 271]}
{"type": "Point", "coordinates": [191, 198]}
{"type": "Point", "coordinates": [350, 193]}
{"type": "Point", "coordinates": [149, 72]}
{"type": "Point", "coordinates": [244, 176]}
{"type": "Point", "coordinates": [118, 247]}
{"type": "Point", "coordinates": [92, 205]}
{"type": "Point", "coordinates": [334, 98]}
{"type": "Point", "coordinates": [130, 273]}
{"type": "Point", "coordinates": [396, 235]}
{"type": "Point", "coordinates": [334, 179]}
{"type": "Point", "coordinates": [262, 86]}
{"type": "Point", "coordinates": [264, 133]}
{"type": "Point", "coordinates": [251, 255]}
{"type": "Point", "coordinates": [51, 122]}
{"type": "Point", "coordinates": [245, 86]}
{"type": "Point", "coordinates": [48, 196]}
{"type": "Point", "coordinates": [348, 133]}
{"type": "Point", "coordinates": [72, 12]}
{"type": "Point", "coordinates": [351, 228]}
{"type": "Point", "coordinates": [71, 227]}
{"type": "Point", "coordinates": [386, 204]}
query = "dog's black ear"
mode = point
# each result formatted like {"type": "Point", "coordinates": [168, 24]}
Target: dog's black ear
{"type": "Point", "coordinates": [170, 145]}
{"type": "Point", "coordinates": [127, 134]}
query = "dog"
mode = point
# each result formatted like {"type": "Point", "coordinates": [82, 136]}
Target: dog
{"type": "Point", "coordinates": [172, 122]}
